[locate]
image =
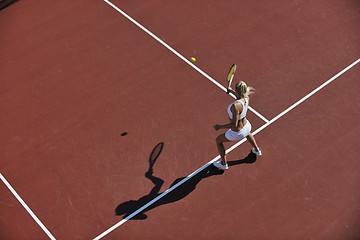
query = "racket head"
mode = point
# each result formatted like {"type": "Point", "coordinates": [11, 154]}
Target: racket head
{"type": "Point", "coordinates": [231, 75]}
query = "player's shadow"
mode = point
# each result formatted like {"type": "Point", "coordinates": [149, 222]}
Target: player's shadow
{"type": "Point", "coordinates": [126, 209]}
{"type": "Point", "coordinates": [6, 3]}
{"type": "Point", "coordinates": [250, 158]}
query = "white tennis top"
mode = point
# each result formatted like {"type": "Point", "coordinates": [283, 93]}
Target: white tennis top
{"type": "Point", "coordinates": [245, 104]}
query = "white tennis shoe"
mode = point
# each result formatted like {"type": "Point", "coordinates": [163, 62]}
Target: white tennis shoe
{"type": "Point", "coordinates": [257, 151]}
{"type": "Point", "coordinates": [219, 165]}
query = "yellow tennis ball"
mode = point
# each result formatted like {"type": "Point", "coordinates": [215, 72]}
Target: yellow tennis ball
{"type": "Point", "coordinates": [193, 59]}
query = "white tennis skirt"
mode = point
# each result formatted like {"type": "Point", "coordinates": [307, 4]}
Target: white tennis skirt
{"type": "Point", "coordinates": [237, 136]}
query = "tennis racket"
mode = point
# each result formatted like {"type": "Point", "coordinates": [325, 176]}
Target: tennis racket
{"type": "Point", "coordinates": [230, 76]}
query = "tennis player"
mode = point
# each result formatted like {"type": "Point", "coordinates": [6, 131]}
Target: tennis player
{"type": "Point", "coordinates": [239, 127]}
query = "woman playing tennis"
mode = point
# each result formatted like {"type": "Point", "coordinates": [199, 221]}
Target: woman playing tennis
{"type": "Point", "coordinates": [239, 127]}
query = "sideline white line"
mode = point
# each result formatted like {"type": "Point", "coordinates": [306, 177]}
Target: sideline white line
{"type": "Point", "coordinates": [26, 207]}
{"type": "Point", "coordinates": [229, 150]}
{"type": "Point", "coordinates": [178, 54]}
{"type": "Point", "coordinates": [155, 199]}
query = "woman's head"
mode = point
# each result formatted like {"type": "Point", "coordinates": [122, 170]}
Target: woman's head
{"type": "Point", "coordinates": [244, 90]}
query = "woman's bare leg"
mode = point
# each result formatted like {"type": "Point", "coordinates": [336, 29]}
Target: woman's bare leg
{"type": "Point", "coordinates": [252, 141]}
{"type": "Point", "coordinates": [221, 148]}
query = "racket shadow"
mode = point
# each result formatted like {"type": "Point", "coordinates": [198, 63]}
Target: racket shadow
{"type": "Point", "coordinates": [126, 208]}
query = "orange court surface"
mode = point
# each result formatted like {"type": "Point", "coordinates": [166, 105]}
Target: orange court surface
{"type": "Point", "coordinates": [92, 91]}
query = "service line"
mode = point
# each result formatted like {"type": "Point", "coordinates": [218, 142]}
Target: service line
{"type": "Point", "coordinates": [32, 214]}
{"type": "Point", "coordinates": [179, 55]}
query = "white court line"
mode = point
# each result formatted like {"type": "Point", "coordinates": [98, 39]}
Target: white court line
{"type": "Point", "coordinates": [229, 150]}
{"type": "Point", "coordinates": [178, 54]}
{"type": "Point", "coordinates": [26, 207]}
{"type": "Point", "coordinates": [300, 101]}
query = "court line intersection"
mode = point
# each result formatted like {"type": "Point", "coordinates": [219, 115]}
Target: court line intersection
{"type": "Point", "coordinates": [267, 122]}
{"type": "Point", "coordinates": [179, 55]}
{"type": "Point", "coordinates": [229, 150]}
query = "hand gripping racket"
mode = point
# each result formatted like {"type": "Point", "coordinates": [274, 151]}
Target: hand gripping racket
{"type": "Point", "coordinates": [230, 76]}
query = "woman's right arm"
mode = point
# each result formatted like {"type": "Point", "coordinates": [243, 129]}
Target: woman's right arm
{"type": "Point", "coordinates": [230, 90]}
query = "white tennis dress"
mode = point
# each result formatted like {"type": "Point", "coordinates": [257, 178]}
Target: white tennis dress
{"type": "Point", "coordinates": [244, 132]}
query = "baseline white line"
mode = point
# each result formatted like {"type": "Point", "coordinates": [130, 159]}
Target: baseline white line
{"type": "Point", "coordinates": [177, 54]}
{"type": "Point", "coordinates": [37, 220]}
{"type": "Point", "coordinates": [229, 150]}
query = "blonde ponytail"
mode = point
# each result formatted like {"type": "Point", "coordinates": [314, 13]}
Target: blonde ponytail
{"type": "Point", "coordinates": [243, 90]}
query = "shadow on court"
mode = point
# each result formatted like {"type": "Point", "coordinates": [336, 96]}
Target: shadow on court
{"type": "Point", "coordinates": [6, 3]}
{"type": "Point", "coordinates": [250, 158]}
{"type": "Point", "coordinates": [129, 207]}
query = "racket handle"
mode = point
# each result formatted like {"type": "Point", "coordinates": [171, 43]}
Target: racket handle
{"type": "Point", "coordinates": [228, 89]}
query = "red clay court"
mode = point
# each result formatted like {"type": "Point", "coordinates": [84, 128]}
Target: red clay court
{"type": "Point", "coordinates": [90, 88]}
